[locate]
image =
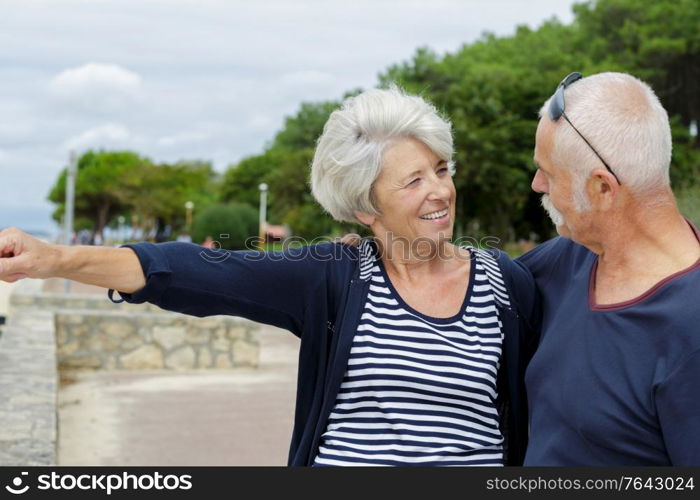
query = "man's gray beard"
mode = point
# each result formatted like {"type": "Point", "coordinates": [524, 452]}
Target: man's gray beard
{"type": "Point", "coordinates": [554, 214]}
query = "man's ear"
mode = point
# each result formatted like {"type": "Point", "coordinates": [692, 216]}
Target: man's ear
{"type": "Point", "coordinates": [365, 218]}
{"type": "Point", "coordinates": [602, 187]}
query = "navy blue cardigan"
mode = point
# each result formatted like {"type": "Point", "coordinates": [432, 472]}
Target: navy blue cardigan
{"type": "Point", "coordinates": [317, 292]}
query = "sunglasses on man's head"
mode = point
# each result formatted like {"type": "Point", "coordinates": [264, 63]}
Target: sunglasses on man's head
{"type": "Point", "coordinates": [556, 111]}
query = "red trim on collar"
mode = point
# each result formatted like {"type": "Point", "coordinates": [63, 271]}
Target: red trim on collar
{"type": "Point", "coordinates": [627, 303]}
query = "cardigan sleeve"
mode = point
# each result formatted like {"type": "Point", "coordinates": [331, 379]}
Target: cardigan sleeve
{"type": "Point", "coordinates": [524, 294]}
{"type": "Point", "coordinates": [267, 287]}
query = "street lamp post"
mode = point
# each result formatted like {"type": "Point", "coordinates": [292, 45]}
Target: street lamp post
{"type": "Point", "coordinates": [263, 214]}
{"type": "Point", "coordinates": [134, 226]}
{"type": "Point", "coordinates": [121, 219]}
{"type": "Point", "coordinates": [70, 207]}
{"type": "Point", "coordinates": [70, 200]}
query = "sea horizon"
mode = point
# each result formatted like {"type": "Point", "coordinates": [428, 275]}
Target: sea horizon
{"type": "Point", "coordinates": [33, 219]}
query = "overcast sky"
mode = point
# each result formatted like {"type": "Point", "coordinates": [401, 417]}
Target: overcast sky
{"type": "Point", "coordinates": [205, 79]}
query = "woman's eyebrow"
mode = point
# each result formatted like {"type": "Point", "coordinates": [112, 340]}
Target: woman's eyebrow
{"type": "Point", "coordinates": [419, 170]}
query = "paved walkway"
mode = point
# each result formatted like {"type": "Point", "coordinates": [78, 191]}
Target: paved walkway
{"type": "Point", "coordinates": [57, 285]}
{"type": "Point", "coordinates": [5, 290]}
{"type": "Point", "coordinates": [241, 417]}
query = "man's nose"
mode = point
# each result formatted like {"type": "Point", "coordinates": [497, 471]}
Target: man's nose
{"type": "Point", "coordinates": [539, 183]}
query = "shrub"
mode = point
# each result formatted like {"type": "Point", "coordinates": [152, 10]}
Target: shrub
{"type": "Point", "coordinates": [231, 225]}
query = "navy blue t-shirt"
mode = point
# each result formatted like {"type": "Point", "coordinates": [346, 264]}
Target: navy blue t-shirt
{"type": "Point", "coordinates": [612, 385]}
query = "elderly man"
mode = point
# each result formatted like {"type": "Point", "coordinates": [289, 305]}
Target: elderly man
{"type": "Point", "coordinates": [616, 378]}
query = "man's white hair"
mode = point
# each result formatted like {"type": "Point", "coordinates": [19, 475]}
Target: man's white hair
{"type": "Point", "coordinates": [626, 124]}
{"type": "Point", "coordinates": [348, 157]}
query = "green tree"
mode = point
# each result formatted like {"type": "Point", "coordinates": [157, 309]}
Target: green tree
{"type": "Point", "coordinates": [231, 225]}
{"type": "Point", "coordinates": [285, 167]}
{"type": "Point", "coordinates": [158, 193]}
{"type": "Point", "coordinates": [241, 181]}
{"type": "Point", "coordinates": [111, 183]}
{"type": "Point", "coordinates": [304, 128]}
{"type": "Point", "coordinates": [658, 41]}
{"type": "Point", "coordinates": [98, 188]}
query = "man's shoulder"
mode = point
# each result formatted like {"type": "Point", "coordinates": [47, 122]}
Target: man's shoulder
{"type": "Point", "coordinates": [557, 245]}
{"type": "Point", "coordinates": [548, 256]}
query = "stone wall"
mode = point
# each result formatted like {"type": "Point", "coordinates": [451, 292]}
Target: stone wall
{"type": "Point", "coordinates": [110, 340]}
{"type": "Point", "coordinates": [28, 389]}
{"type": "Point", "coordinates": [48, 332]}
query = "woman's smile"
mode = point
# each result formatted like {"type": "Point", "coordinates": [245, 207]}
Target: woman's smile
{"type": "Point", "coordinates": [440, 217]}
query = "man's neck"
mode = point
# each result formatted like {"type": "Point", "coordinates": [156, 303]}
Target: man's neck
{"type": "Point", "coordinates": [653, 241]}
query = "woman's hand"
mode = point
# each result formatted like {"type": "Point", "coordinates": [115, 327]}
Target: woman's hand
{"type": "Point", "coordinates": [23, 256]}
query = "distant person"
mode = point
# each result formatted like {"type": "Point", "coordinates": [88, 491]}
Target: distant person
{"type": "Point", "coordinates": [184, 238]}
{"type": "Point", "coordinates": [209, 242]}
{"type": "Point", "coordinates": [413, 349]}
{"type": "Point", "coordinates": [83, 237]}
{"type": "Point", "coordinates": [616, 379]}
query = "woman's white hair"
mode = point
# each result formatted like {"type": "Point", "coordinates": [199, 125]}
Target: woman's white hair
{"type": "Point", "coordinates": [348, 157]}
{"type": "Point", "coordinates": [624, 121]}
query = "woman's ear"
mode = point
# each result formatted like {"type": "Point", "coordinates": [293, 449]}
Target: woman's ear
{"type": "Point", "coordinates": [351, 239]}
{"type": "Point", "coordinates": [365, 218]}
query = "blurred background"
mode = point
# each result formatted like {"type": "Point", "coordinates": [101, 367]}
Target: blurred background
{"type": "Point", "coordinates": [175, 112]}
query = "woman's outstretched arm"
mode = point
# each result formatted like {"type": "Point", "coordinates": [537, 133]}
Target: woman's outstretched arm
{"type": "Point", "coordinates": [23, 256]}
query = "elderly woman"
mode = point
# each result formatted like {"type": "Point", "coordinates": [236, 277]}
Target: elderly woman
{"type": "Point", "coordinates": [413, 349]}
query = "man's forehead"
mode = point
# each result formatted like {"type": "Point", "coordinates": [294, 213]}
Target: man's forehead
{"type": "Point", "coordinates": [545, 127]}
{"type": "Point", "coordinates": [544, 136]}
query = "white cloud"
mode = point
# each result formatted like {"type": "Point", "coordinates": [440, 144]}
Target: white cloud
{"type": "Point", "coordinates": [261, 122]}
{"type": "Point", "coordinates": [183, 138]}
{"type": "Point", "coordinates": [153, 75]}
{"type": "Point", "coordinates": [110, 134]}
{"type": "Point", "coordinates": [99, 76]}
{"type": "Point", "coordinates": [97, 88]}
{"type": "Point", "coordinates": [311, 77]}
{"type": "Point", "coordinates": [18, 130]}
{"type": "Point", "coordinates": [17, 121]}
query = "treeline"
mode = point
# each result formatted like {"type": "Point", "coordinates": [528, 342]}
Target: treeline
{"type": "Point", "coordinates": [491, 90]}
{"type": "Point", "coordinates": [150, 197]}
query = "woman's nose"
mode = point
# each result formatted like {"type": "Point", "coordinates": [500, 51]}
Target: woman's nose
{"type": "Point", "coordinates": [440, 189]}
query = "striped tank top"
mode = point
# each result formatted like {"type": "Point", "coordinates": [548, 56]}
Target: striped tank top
{"type": "Point", "coordinates": [420, 390]}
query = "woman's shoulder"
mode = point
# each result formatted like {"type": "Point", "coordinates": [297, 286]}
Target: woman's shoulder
{"type": "Point", "coordinates": [516, 278]}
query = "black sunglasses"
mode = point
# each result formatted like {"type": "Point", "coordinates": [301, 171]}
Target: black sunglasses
{"type": "Point", "coordinates": [556, 111]}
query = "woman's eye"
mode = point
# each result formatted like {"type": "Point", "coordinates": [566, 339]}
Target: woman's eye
{"type": "Point", "coordinates": [414, 181]}
{"type": "Point", "coordinates": [442, 170]}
